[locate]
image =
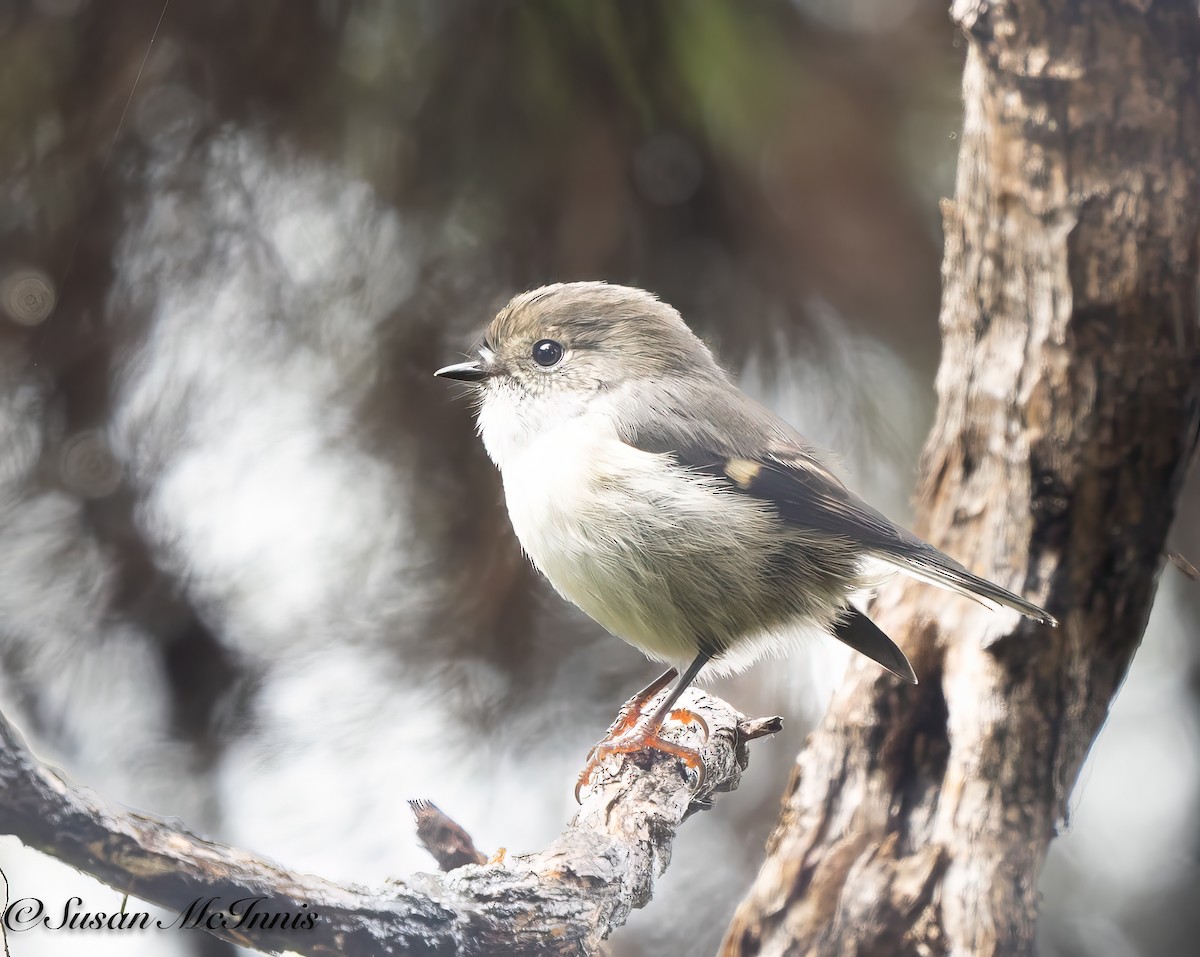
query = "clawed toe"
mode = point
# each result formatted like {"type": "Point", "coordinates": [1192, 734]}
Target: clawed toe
{"type": "Point", "coordinates": [684, 716]}
{"type": "Point", "coordinates": [647, 739]}
{"type": "Point", "coordinates": [632, 732]}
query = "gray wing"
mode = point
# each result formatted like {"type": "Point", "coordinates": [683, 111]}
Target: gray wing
{"type": "Point", "coordinates": [756, 453]}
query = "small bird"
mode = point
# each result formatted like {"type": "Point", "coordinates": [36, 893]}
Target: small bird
{"type": "Point", "coordinates": [677, 512]}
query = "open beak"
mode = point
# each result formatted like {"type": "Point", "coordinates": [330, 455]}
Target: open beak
{"type": "Point", "coordinates": [464, 372]}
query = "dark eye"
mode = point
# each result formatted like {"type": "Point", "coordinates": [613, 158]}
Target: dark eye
{"type": "Point", "coordinates": [547, 352]}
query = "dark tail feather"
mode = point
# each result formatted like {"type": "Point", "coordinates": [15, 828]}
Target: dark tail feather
{"type": "Point", "coordinates": [864, 636]}
{"type": "Point", "coordinates": [937, 569]}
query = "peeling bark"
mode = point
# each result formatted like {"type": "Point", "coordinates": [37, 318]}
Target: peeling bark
{"type": "Point", "coordinates": [918, 819]}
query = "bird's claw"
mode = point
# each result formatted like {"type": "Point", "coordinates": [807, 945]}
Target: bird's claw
{"type": "Point", "coordinates": [647, 739]}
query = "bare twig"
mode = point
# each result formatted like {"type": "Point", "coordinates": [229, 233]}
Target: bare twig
{"type": "Point", "coordinates": [445, 839]}
{"type": "Point", "coordinates": [563, 900]}
{"type": "Point", "coordinates": [1185, 566]}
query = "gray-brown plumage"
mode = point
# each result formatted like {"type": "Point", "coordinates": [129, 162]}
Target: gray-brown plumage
{"type": "Point", "coordinates": [682, 515]}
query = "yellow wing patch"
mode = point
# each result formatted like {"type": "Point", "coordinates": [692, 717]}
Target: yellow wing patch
{"type": "Point", "coordinates": [742, 471]}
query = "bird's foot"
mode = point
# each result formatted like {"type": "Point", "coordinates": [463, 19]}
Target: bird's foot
{"type": "Point", "coordinates": [632, 738]}
{"type": "Point", "coordinates": [634, 709]}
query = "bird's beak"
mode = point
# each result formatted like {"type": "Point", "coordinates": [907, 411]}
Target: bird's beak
{"type": "Point", "coordinates": [464, 372]}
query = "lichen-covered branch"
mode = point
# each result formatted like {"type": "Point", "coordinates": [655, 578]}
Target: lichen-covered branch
{"type": "Point", "coordinates": [563, 900]}
{"type": "Point", "coordinates": [918, 818]}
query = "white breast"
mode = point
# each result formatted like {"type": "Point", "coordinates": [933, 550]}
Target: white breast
{"type": "Point", "coordinates": [632, 538]}
{"type": "Point", "coordinates": [573, 498]}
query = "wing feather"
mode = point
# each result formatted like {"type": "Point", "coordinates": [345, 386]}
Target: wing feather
{"type": "Point", "coordinates": [759, 455]}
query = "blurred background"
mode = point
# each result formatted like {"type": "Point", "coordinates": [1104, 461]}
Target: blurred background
{"type": "Point", "coordinates": [255, 570]}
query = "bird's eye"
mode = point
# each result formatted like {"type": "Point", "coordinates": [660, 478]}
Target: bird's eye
{"type": "Point", "coordinates": [547, 352]}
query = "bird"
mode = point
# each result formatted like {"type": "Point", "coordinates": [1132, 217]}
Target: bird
{"type": "Point", "coordinates": [677, 512]}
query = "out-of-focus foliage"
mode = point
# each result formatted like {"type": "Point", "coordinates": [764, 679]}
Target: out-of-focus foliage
{"type": "Point", "coordinates": [254, 566]}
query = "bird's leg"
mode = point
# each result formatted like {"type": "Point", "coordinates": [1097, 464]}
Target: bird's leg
{"type": "Point", "coordinates": [632, 713]}
{"type": "Point", "coordinates": [627, 736]}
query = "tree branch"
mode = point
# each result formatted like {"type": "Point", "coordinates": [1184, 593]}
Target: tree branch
{"type": "Point", "coordinates": [918, 818]}
{"type": "Point", "coordinates": [563, 900]}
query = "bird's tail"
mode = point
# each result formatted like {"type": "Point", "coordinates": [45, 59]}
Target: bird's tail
{"type": "Point", "coordinates": [931, 566]}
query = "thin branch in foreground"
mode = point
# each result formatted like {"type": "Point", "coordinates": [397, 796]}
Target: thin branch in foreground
{"type": "Point", "coordinates": [563, 900]}
{"type": "Point", "coordinates": [444, 838]}
{"type": "Point", "coordinates": [1185, 566]}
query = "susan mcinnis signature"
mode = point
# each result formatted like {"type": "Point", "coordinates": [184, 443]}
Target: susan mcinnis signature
{"type": "Point", "coordinates": [204, 913]}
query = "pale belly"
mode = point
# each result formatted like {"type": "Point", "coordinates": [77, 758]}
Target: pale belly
{"type": "Point", "coordinates": [655, 554]}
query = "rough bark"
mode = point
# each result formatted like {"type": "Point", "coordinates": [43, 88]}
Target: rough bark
{"type": "Point", "coordinates": [560, 901]}
{"type": "Point", "coordinates": [918, 819]}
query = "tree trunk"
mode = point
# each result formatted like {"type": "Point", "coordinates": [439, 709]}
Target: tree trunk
{"type": "Point", "coordinates": [918, 819]}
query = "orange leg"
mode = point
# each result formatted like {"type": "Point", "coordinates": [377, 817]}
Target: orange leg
{"type": "Point", "coordinates": [646, 738]}
{"type": "Point", "coordinates": [631, 714]}
{"type": "Point", "coordinates": [632, 732]}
